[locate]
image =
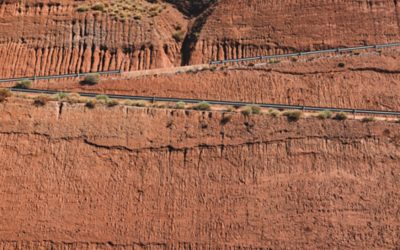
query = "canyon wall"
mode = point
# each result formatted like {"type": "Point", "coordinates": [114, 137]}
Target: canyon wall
{"type": "Point", "coordinates": [235, 29]}
{"type": "Point", "coordinates": [52, 37]}
{"type": "Point", "coordinates": [138, 178]}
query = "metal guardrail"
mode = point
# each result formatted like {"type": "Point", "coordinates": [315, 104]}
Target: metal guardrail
{"type": "Point", "coordinates": [215, 102]}
{"type": "Point", "coordinates": [33, 78]}
{"type": "Point", "coordinates": [337, 50]}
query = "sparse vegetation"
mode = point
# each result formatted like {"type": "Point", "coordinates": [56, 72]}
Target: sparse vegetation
{"type": "Point", "coordinates": [226, 119]}
{"type": "Point", "coordinates": [179, 36]}
{"type": "Point", "coordinates": [274, 112]}
{"type": "Point", "coordinates": [82, 8]}
{"type": "Point", "coordinates": [61, 96]}
{"type": "Point", "coordinates": [180, 105]}
{"type": "Point", "coordinates": [24, 84]}
{"type": "Point", "coordinates": [112, 103]}
{"type": "Point", "coordinates": [251, 110]}
{"type": "Point", "coordinates": [91, 79]}
{"type": "Point", "coordinates": [98, 7]}
{"type": "Point", "coordinates": [293, 116]}
{"type": "Point", "coordinates": [90, 104]}
{"type": "Point", "coordinates": [4, 94]}
{"type": "Point", "coordinates": [102, 99]}
{"type": "Point", "coordinates": [326, 114]}
{"type": "Point", "coordinates": [204, 106]}
{"type": "Point", "coordinates": [41, 100]}
{"type": "Point", "coordinates": [340, 116]}
{"type": "Point", "coordinates": [368, 119]}
{"type": "Point", "coordinates": [341, 65]}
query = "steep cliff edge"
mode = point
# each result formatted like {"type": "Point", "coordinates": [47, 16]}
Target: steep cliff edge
{"type": "Point", "coordinates": [141, 178]}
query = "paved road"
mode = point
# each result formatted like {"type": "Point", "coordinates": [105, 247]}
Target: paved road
{"type": "Point", "coordinates": [225, 103]}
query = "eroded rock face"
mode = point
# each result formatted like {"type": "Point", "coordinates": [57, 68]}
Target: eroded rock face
{"type": "Point", "coordinates": [146, 178]}
{"type": "Point", "coordinates": [51, 37]}
{"type": "Point", "coordinates": [251, 27]}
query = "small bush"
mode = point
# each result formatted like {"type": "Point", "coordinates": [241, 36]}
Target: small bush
{"type": "Point", "coordinates": [226, 118]}
{"type": "Point", "coordinates": [340, 116]}
{"type": "Point", "coordinates": [61, 96]}
{"type": "Point", "coordinates": [112, 103]}
{"type": "Point", "coordinates": [247, 111]}
{"type": "Point", "coordinates": [140, 104]}
{"type": "Point", "coordinates": [179, 36]}
{"type": "Point", "coordinates": [24, 84]}
{"type": "Point", "coordinates": [293, 116]}
{"type": "Point", "coordinates": [251, 110]}
{"type": "Point", "coordinates": [180, 105]}
{"type": "Point", "coordinates": [98, 7]}
{"type": "Point", "coordinates": [40, 101]}
{"type": "Point", "coordinates": [91, 79]}
{"type": "Point", "coordinates": [82, 8]}
{"type": "Point", "coordinates": [341, 65]}
{"type": "Point", "coordinates": [368, 119]}
{"type": "Point", "coordinates": [102, 98]}
{"type": "Point", "coordinates": [73, 98]}
{"type": "Point", "coordinates": [274, 112]}
{"type": "Point", "coordinates": [205, 106]}
{"type": "Point", "coordinates": [91, 104]}
{"type": "Point", "coordinates": [4, 94]}
{"type": "Point", "coordinates": [326, 114]}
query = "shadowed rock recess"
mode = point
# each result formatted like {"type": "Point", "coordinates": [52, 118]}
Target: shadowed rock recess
{"type": "Point", "coordinates": [175, 179]}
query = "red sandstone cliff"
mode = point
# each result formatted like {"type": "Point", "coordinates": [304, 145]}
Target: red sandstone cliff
{"type": "Point", "coordinates": [160, 179]}
{"type": "Point", "coordinates": [51, 37]}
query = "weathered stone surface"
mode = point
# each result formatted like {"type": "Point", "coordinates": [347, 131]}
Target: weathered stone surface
{"type": "Point", "coordinates": [136, 178]}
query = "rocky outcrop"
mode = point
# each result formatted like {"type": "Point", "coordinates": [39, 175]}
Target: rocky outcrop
{"type": "Point", "coordinates": [140, 178]}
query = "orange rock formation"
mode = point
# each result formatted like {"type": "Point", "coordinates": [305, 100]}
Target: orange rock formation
{"type": "Point", "coordinates": [159, 179]}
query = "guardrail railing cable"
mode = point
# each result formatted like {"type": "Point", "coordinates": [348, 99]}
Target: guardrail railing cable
{"type": "Point", "coordinates": [215, 102]}
{"type": "Point", "coordinates": [34, 78]}
{"type": "Point", "coordinates": [336, 50]}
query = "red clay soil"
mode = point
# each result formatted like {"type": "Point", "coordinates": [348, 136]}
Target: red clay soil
{"type": "Point", "coordinates": [369, 81]}
{"type": "Point", "coordinates": [138, 178]}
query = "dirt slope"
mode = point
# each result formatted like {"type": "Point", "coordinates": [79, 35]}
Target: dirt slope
{"type": "Point", "coordinates": [160, 179]}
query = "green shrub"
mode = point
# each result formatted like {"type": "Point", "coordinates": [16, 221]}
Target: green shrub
{"type": "Point", "coordinates": [104, 99]}
{"type": "Point", "coordinates": [40, 100]}
{"type": "Point", "coordinates": [251, 110]}
{"type": "Point", "coordinates": [226, 118]}
{"type": "Point", "coordinates": [368, 119]}
{"type": "Point", "coordinates": [90, 104]}
{"type": "Point", "coordinates": [246, 111]}
{"type": "Point", "coordinates": [326, 114]}
{"type": "Point", "coordinates": [179, 36]}
{"type": "Point", "coordinates": [24, 84]}
{"type": "Point", "coordinates": [180, 105]}
{"type": "Point", "coordinates": [4, 94]}
{"type": "Point", "coordinates": [274, 112]}
{"type": "Point", "coordinates": [112, 103]}
{"type": "Point", "coordinates": [293, 116]}
{"type": "Point", "coordinates": [91, 79]}
{"type": "Point", "coordinates": [202, 106]}
{"type": "Point", "coordinates": [340, 116]}
{"type": "Point", "coordinates": [98, 7]}
{"type": "Point", "coordinates": [341, 65]}
{"type": "Point", "coordinates": [61, 96]}
{"type": "Point", "coordinates": [82, 8]}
